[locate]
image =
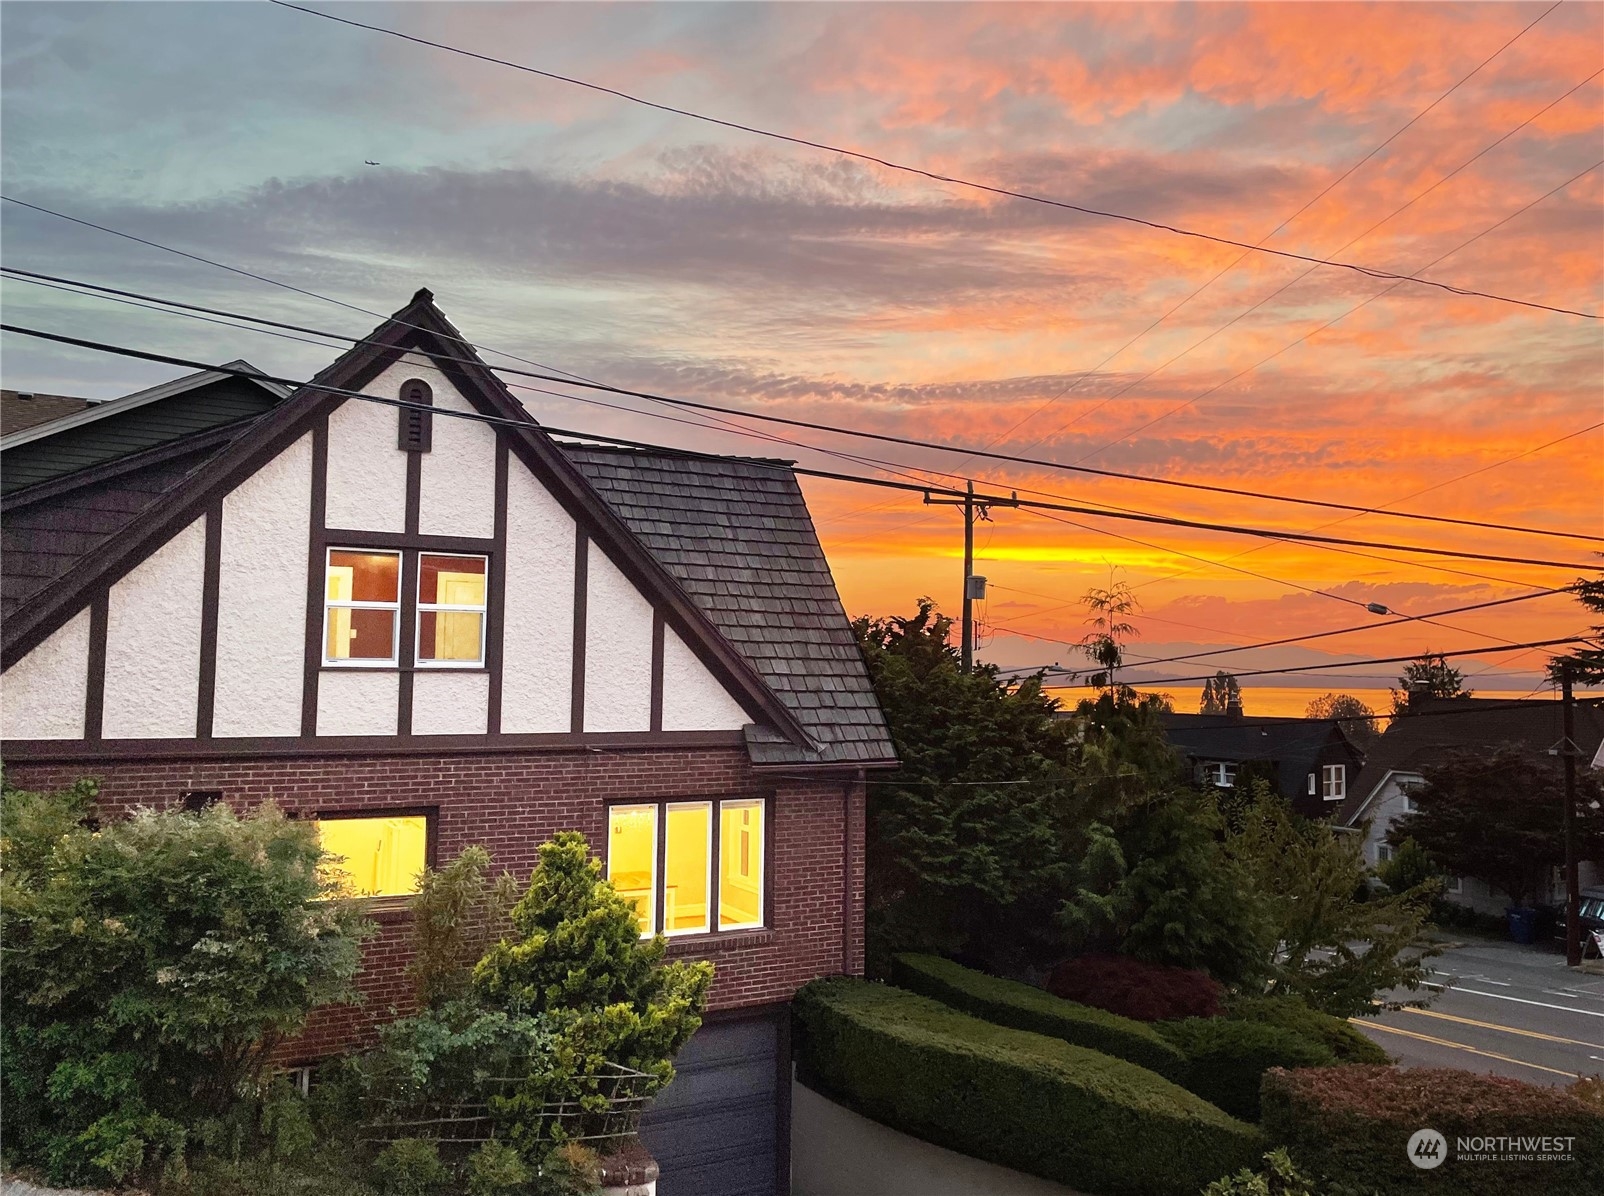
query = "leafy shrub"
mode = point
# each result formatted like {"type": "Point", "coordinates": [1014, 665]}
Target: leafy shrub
{"type": "Point", "coordinates": [1147, 992]}
{"type": "Point", "coordinates": [1349, 1126]}
{"type": "Point", "coordinates": [573, 1169]}
{"type": "Point", "coordinates": [1408, 868]}
{"type": "Point", "coordinates": [1451, 915]}
{"type": "Point", "coordinates": [150, 968]}
{"type": "Point", "coordinates": [495, 1168]}
{"type": "Point", "coordinates": [443, 1055]}
{"type": "Point", "coordinates": [1009, 1003]}
{"type": "Point", "coordinates": [1342, 1038]}
{"type": "Point", "coordinates": [1278, 1177]}
{"type": "Point", "coordinates": [1023, 1100]}
{"type": "Point", "coordinates": [410, 1167]}
{"type": "Point", "coordinates": [457, 914]}
{"type": "Point", "coordinates": [577, 960]}
{"type": "Point", "coordinates": [1226, 1060]}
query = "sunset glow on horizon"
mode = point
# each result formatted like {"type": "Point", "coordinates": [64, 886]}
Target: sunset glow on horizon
{"type": "Point", "coordinates": [657, 253]}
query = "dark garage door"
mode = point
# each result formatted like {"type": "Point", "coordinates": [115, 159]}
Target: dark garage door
{"type": "Point", "coordinates": [714, 1130]}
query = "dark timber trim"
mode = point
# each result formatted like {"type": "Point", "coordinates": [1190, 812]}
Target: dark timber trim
{"type": "Point", "coordinates": [657, 669]}
{"type": "Point", "coordinates": [496, 606]}
{"type": "Point", "coordinates": [390, 541]}
{"type": "Point", "coordinates": [581, 613]}
{"type": "Point", "coordinates": [95, 689]}
{"type": "Point", "coordinates": [211, 583]}
{"type": "Point", "coordinates": [407, 649]}
{"type": "Point", "coordinates": [135, 751]}
{"type": "Point", "coordinates": [312, 658]}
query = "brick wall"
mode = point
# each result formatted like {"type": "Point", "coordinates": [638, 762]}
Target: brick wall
{"type": "Point", "coordinates": [511, 803]}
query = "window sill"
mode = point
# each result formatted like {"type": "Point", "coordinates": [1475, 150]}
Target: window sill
{"type": "Point", "coordinates": [732, 940]}
{"type": "Point", "coordinates": [386, 911]}
{"type": "Point", "coordinates": [392, 668]}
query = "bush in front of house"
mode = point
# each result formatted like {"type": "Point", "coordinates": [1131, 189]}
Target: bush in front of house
{"type": "Point", "coordinates": [1226, 1060]}
{"type": "Point", "coordinates": [149, 969]}
{"type": "Point", "coordinates": [1342, 1038]}
{"type": "Point", "coordinates": [1278, 1177]}
{"type": "Point", "coordinates": [1023, 1100]}
{"type": "Point", "coordinates": [1348, 1128]}
{"type": "Point", "coordinates": [1009, 1003]}
{"type": "Point", "coordinates": [1145, 992]}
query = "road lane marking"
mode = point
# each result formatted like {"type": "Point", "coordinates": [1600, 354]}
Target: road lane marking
{"type": "Point", "coordinates": [1519, 1000]}
{"type": "Point", "coordinates": [1459, 1046]}
{"type": "Point", "coordinates": [1470, 1021]}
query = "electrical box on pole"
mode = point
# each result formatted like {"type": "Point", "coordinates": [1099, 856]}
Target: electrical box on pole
{"type": "Point", "coordinates": [974, 588]}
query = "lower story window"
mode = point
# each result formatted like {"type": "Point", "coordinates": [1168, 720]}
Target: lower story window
{"type": "Point", "coordinates": [678, 862]}
{"type": "Point", "coordinates": [375, 855]}
{"type": "Point", "coordinates": [1383, 852]}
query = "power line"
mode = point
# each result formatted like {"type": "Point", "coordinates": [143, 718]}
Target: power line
{"type": "Point", "coordinates": [1197, 398]}
{"type": "Point", "coordinates": [1166, 520]}
{"type": "Point", "coordinates": [1318, 635]}
{"type": "Point", "coordinates": [1316, 668]}
{"type": "Point", "coordinates": [935, 177]}
{"type": "Point", "coordinates": [1237, 261]}
{"type": "Point", "coordinates": [911, 442]}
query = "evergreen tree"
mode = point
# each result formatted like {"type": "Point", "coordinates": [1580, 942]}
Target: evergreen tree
{"type": "Point", "coordinates": [1218, 692]}
{"type": "Point", "coordinates": [1429, 675]}
{"type": "Point", "coordinates": [1587, 664]}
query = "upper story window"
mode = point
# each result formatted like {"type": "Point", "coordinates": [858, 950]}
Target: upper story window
{"type": "Point", "coordinates": [362, 609]}
{"type": "Point", "coordinates": [451, 609]}
{"type": "Point", "coordinates": [678, 862]}
{"type": "Point", "coordinates": [1221, 773]}
{"type": "Point", "coordinates": [1333, 781]}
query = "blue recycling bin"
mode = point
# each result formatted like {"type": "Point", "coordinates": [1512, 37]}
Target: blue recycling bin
{"type": "Point", "coordinates": [1522, 924]}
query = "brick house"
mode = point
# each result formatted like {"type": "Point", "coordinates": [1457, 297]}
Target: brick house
{"type": "Point", "coordinates": [428, 632]}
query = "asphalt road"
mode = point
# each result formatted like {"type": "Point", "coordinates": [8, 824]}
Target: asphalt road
{"type": "Point", "coordinates": [1510, 1010]}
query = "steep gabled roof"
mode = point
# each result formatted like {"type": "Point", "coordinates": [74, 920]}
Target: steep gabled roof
{"type": "Point", "coordinates": [98, 433]}
{"type": "Point", "coordinates": [1437, 728]}
{"type": "Point", "coordinates": [737, 535]}
{"type": "Point", "coordinates": [419, 327]}
{"type": "Point", "coordinates": [1293, 744]}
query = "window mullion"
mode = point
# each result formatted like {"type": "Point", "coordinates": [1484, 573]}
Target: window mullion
{"type": "Point", "coordinates": [660, 880]}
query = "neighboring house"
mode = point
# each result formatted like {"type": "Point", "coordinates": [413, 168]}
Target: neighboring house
{"type": "Point", "coordinates": [24, 409]}
{"type": "Point", "coordinates": [1309, 760]}
{"type": "Point", "coordinates": [428, 632]}
{"type": "Point", "coordinates": [1438, 729]}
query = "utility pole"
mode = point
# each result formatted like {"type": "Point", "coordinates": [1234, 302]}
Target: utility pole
{"type": "Point", "coordinates": [1573, 890]}
{"type": "Point", "coordinates": [974, 587]}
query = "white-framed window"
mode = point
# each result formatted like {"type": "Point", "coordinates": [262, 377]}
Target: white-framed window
{"type": "Point", "coordinates": [1312, 783]}
{"type": "Point", "coordinates": [451, 610]}
{"type": "Point", "coordinates": [1221, 773]}
{"type": "Point", "coordinates": [1383, 852]}
{"type": "Point", "coordinates": [374, 855]}
{"type": "Point", "coordinates": [1333, 782]}
{"type": "Point", "coordinates": [361, 608]}
{"type": "Point", "coordinates": [1456, 885]}
{"type": "Point", "coordinates": [711, 858]}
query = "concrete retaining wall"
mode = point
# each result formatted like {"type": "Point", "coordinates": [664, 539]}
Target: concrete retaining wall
{"type": "Point", "coordinates": [835, 1152]}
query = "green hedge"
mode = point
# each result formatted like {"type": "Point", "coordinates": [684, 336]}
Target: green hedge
{"type": "Point", "coordinates": [1023, 1100]}
{"type": "Point", "coordinates": [1009, 1003]}
{"type": "Point", "coordinates": [1343, 1039]}
{"type": "Point", "coordinates": [1226, 1060]}
{"type": "Point", "coordinates": [1349, 1127]}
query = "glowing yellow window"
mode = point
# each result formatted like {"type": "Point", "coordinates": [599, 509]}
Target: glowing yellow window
{"type": "Point", "coordinates": [687, 867]}
{"type": "Point", "coordinates": [378, 857]}
{"type": "Point", "coordinates": [632, 859]}
{"type": "Point", "coordinates": [361, 607]}
{"type": "Point", "coordinates": [451, 609]}
{"type": "Point", "coordinates": [740, 865]}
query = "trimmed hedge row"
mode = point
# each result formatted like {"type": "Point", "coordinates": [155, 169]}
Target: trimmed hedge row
{"type": "Point", "coordinates": [1009, 1003]}
{"type": "Point", "coordinates": [1341, 1038]}
{"type": "Point", "coordinates": [1023, 1100]}
{"type": "Point", "coordinates": [1226, 1060]}
{"type": "Point", "coordinates": [1350, 1127]}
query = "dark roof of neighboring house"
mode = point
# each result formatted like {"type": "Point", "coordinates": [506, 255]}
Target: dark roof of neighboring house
{"type": "Point", "coordinates": [733, 534]}
{"type": "Point", "coordinates": [1292, 744]}
{"type": "Point", "coordinates": [737, 535]}
{"type": "Point", "coordinates": [97, 433]}
{"type": "Point", "coordinates": [17, 412]}
{"type": "Point", "coordinates": [1439, 727]}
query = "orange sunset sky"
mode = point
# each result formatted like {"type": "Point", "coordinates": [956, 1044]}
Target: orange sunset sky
{"type": "Point", "coordinates": [654, 252]}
